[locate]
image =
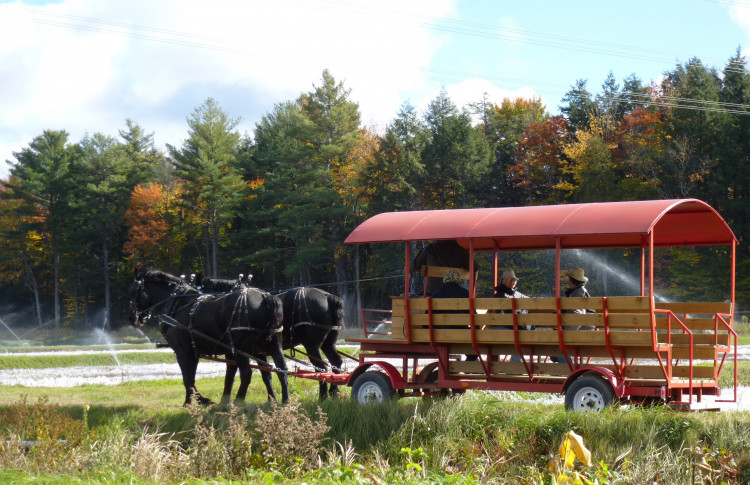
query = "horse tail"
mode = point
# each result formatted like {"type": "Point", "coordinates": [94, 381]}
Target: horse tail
{"type": "Point", "coordinates": [336, 310]}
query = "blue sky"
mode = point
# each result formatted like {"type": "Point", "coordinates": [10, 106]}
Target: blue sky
{"type": "Point", "coordinates": [88, 65]}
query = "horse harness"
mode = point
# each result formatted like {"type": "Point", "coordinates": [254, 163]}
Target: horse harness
{"type": "Point", "coordinates": [171, 306]}
{"type": "Point", "coordinates": [300, 308]}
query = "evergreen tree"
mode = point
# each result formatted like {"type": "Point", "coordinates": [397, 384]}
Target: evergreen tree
{"type": "Point", "coordinates": [456, 156]}
{"type": "Point", "coordinates": [578, 106]}
{"type": "Point", "coordinates": [277, 166]}
{"type": "Point", "coordinates": [728, 187]}
{"type": "Point", "coordinates": [397, 174]}
{"type": "Point", "coordinates": [40, 177]}
{"type": "Point", "coordinates": [632, 95]}
{"type": "Point", "coordinates": [609, 109]}
{"type": "Point", "coordinates": [206, 162]}
{"type": "Point", "coordinates": [504, 127]}
{"type": "Point", "coordinates": [96, 234]}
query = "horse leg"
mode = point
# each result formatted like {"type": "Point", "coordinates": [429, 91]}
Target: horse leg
{"type": "Point", "coordinates": [333, 356]}
{"type": "Point", "coordinates": [229, 380]}
{"type": "Point", "coordinates": [316, 359]}
{"type": "Point", "coordinates": [246, 374]}
{"type": "Point", "coordinates": [266, 376]}
{"type": "Point", "coordinates": [188, 365]}
{"type": "Point", "coordinates": [278, 359]}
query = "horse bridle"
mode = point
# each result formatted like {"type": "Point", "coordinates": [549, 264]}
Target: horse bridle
{"type": "Point", "coordinates": [141, 292]}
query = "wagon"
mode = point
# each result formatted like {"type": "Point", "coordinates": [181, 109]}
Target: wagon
{"type": "Point", "coordinates": [641, 349]}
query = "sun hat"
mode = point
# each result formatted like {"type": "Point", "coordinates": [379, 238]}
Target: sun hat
{"type": "Point", "coordinates": [508, 274]}
{"type": "Point", "coordinates": [452, 276]}
{"type": "Point", "coordinates": [576, 274]}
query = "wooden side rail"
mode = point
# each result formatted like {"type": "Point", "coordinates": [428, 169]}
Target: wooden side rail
{"type": "Point", "coordinates": [440, 271]}
{"type": "Point", "coordinates": [628, 321]}
{"type": "Point", "coordinates": [546, 368]}
{"type": "Point", "coordinates": [697, 308]}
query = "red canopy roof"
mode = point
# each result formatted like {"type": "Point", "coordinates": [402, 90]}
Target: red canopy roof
{"type": "Point", "coordinates": [675, 222]}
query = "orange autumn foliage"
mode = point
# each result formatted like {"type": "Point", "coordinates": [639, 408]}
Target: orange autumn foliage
{"type": "Point", "coordinates": [147, 229]}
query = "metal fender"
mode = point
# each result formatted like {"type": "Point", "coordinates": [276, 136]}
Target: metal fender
{"type": "Point", "coordinates": [397, 380]}
{"type": "Point", "coordinates": [617, 384]}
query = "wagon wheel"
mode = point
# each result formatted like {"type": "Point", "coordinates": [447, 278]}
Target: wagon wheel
{"type": "Point", "coordinates": [589, 393]}
{"type": "Point", "coordinates": [430, 374]}
{"type": "Point", "coordinates": [371, 387]}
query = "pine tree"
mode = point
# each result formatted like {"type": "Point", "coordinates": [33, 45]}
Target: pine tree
{"type": "Point", "coordinates": [206, 162]}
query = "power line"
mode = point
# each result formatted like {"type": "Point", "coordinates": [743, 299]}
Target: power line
{"type": "Point", "coordinates": [460, 27]}
{"type": "Point", "coordinates": [477, 29]}
{"type": "Point", "coordinates": [187, 39]}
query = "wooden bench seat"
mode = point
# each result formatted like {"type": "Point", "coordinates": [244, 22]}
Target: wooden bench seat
{"type": "Point", "coordinates": [622, 332]}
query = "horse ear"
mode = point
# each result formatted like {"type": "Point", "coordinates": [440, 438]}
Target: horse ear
{"type": "Point", "coordinates": [136, 270]}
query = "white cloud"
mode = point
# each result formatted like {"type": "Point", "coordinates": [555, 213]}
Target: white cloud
{"type": "Point", "coordinates": [86, 66]}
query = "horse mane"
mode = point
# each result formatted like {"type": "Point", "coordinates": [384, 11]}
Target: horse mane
{"type": "Point", "coordinates": [157, 275]}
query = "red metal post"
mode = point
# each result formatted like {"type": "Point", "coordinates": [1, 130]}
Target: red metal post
{"type": "Point", "coordinates": [407, 318]}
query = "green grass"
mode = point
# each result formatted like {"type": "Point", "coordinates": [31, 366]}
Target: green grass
{"type": "Point", "coordinates": [12, 348]}
{"type": "Point", "coordinates": [37, 358]}
{"type": "Point", "coordinates": [482, 437]}
{"type": "Point", "coordinates": [489, 436]}
{"type": "Point", "coordinates": [41, 361]}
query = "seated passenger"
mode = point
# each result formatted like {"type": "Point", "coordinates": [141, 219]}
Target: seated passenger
{"type": "Point", "coordinates": [452, 288]}
{"type": "Point", "coordinates": [576, 288]}
{"type": "Point", "coordinates": [507, 289]}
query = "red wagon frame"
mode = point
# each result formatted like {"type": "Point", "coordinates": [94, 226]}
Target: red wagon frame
{"type": "Point", "coordinates": [422, 360]}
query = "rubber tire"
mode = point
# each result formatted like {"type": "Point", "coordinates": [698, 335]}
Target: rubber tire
{"type": "Point", "coordinates": [589, 393]}
{"type": "Point", "coordinates": [441, 393]}
{"type": "Point", "coordinates": [372, 386]}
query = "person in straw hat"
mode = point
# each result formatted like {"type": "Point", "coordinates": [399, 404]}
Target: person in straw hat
{"type": "Point", "coordinates": [507, 289]}
{"type": "Point", "coordinates": [507, 286]}
{"type": "Point", "coordinates": [577, 288]}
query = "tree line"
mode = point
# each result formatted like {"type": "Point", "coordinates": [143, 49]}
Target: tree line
{"type": "Point", "coordinates": [77, 217]}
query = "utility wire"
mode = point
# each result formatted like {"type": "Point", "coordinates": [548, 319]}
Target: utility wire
{"type": "Point", "coordinates": [477, 29]}
{"type": "Point", "coordinates": [191, 40]}
{"type": "Point", "coordinates": [441, 24]}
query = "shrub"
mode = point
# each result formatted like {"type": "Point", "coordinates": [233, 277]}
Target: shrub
{"type": "Point", "coordinates": [42, 436]}
{"type": "Point", "coordinates": [287, 436]}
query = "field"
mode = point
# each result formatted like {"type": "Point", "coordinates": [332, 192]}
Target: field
{"type": "Point", "coordinates": [138, 432]}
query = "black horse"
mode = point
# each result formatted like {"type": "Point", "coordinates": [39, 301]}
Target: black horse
{"type": "Point", "coordinates": [242, 323]}
{"type": "Point", "coordinates": [313, 318]}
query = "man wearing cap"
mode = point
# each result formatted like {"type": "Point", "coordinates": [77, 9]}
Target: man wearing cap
{"type": "Point", "coordinates": [576, 288]}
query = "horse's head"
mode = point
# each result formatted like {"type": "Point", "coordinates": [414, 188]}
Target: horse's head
{"type": "Point", "coordinates": [150, 289]}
